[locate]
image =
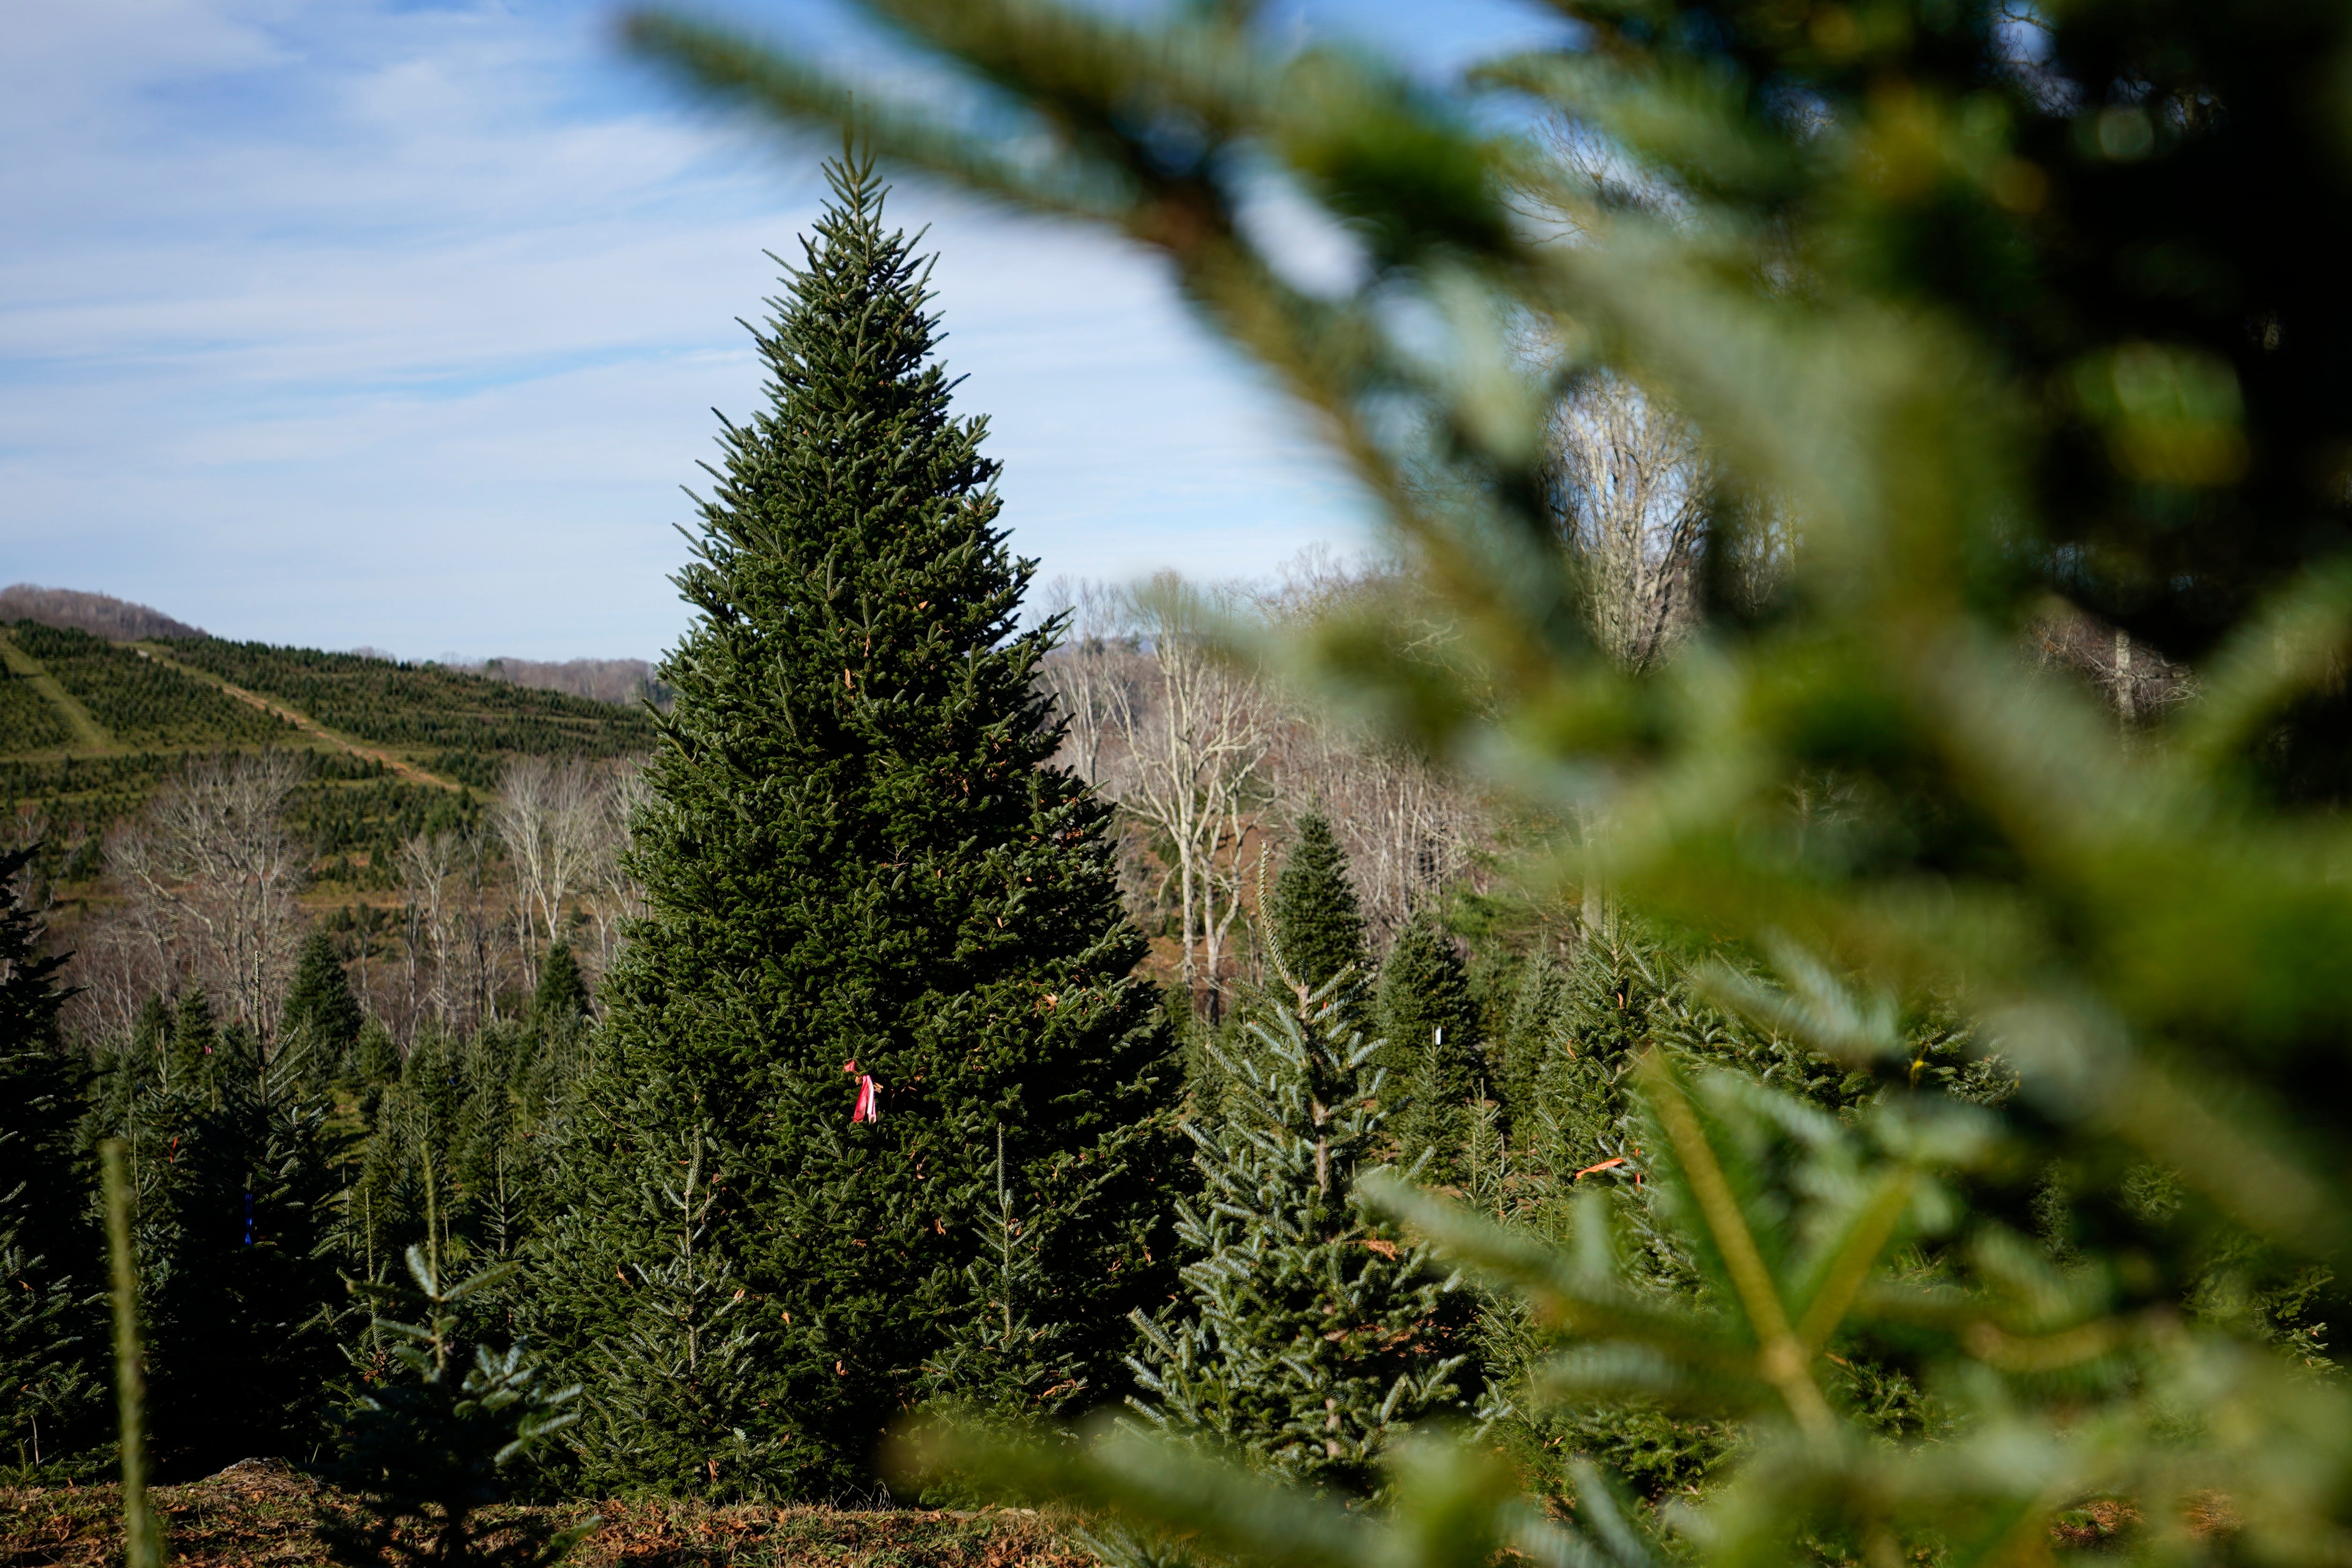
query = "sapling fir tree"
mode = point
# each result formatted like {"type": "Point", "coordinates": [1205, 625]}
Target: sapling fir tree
{"type": "Point", "coordinates": [1014, 1361]}
{"type": "Point", "coordinates": [673, 1405]}
{"type": "Point", "coordinates": [1431, 1049]}
{"type": "Point", "coordinates": [1315, 917]}
{"type": "Point", "coordinates": [1310, 1334]}
{"type": "Point", "coordinates": [442, 1427]}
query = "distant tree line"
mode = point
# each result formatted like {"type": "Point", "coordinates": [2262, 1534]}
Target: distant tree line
{"type": "Point", "coordinates": [623, 681]}
{"type": "Point", "coordinates": [100, 615]}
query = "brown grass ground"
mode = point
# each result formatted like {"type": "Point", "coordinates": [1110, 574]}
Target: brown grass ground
{"type": "Point", "coordinates": [254, 1514]}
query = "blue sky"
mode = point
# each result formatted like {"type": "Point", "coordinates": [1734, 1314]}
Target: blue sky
{"type": "Point", "coordinates": [359, 322]}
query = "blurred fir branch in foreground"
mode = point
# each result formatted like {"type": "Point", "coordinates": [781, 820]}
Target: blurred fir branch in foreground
{"type": "Point", "coordinates": [1976, 309]}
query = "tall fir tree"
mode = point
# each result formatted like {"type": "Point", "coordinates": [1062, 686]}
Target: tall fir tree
{"type": "Point", "coordinates": [1317, 923]}
{"type": "Point", "coordinates": [1310, 1334]}
{"type": "Point", "coordinates": [857, 851]}
{"type": "Point", "coordinates": [1431, 1046]}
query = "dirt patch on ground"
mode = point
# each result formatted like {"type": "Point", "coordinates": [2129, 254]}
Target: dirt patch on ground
{"type": "Point", "coordinates": [264, 1513]}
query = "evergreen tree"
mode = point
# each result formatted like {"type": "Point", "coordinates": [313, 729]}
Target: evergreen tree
{"type": "Point", "coordinates": [194, 1041]}
{"type": "Point", "coordinates": [1528, 1030]}
{"type": "Point", "coordinates": [1318, 925]}
{"type": "Point", "coordinates": [321, 1015]}
{"type": "Point", "coordinates": [246, 1302]}
{"type": "Point", "coordinates": [375, 1063]}
{"type": "Point", "coordinates": [1624, 994]}
{"type": "Point", "coordinates": [1431, 1049]}
{"type": "Point", "coordinates": [560, 1002]}
{"type": "Point", "coordinates": [1014, 1362]}
{"type": "Point", "coordinates": [1603, 1017]}
{"type": "Point", "coordinates": [1311, 1335]}
{"type": "Point", "coordinates": [446, 1422]}
{"type": "Point", "coordinates": [151, 1032]}
{"type": "Point", "coordinates": [674, 1402]}
{"type": "Point", "coordinates": [30, 997]}
{"type": "Point", "coordinates": [856, 850]}
{"type": "Point", "coordinates": [49, 1391]}
{"type": "Point", "coordinates": [48, 1327]}
{"type": "Point", "coordinates": [495, 1180]}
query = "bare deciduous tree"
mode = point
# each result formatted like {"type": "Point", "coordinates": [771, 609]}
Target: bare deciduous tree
{"type": "Point", "coordinates": [1198, 756]}
{"type": "Point", "coordinates": [1410, 831]}
{"type": "Point", "coordinates": [548, 815]}
{"type": "Point", "coordinates": [422, 864]}
{"type": "Point", "coordinates": [212, 872]}
{"type": "Point", "coordinates": [1096, 674]}
{"type": "Point", "coordinates": [1192, 737]}
{"type": "Point", "coordinates": [1633, 488]}
{"type": "Point", "coordinates": [615, 896]}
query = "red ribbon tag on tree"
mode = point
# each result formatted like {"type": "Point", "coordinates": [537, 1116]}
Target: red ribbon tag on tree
{"type": "Point", "coordinates": [870, 1095]}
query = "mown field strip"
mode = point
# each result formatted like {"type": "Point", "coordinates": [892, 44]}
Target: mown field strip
{"type": "Point", "coordinates": [295, 717]}
{"type": "Point", "coordinates": [87, 730]}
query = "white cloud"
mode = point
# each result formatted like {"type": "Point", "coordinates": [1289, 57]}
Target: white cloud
{"type": "Point", "coordinates": [340, 322]}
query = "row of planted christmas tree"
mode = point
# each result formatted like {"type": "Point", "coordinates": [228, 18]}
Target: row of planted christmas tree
{"type": "Point", "coordinates": [1292, 1326]}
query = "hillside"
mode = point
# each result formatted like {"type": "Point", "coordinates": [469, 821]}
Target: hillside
{"type": "Point", "coordinates": [91, 728]}
{"type": "Point", "coordinates": [454, 723]}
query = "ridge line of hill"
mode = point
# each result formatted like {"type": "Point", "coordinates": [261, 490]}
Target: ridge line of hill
{"type": "Point", "coordinates": [279, 709]}
{"type": "Point", "coordinates": [87, 730]}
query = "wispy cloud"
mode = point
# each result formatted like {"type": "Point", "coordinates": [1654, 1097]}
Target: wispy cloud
{"type": "Point", "coordinates": [365, 322]}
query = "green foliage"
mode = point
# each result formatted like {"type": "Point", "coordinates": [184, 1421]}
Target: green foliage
{"type": "Point", "coordinates": [1013, 1360]}
{"type": "Point", "coordinates": [190, 1064]}
{"type": "Point", "coordinates": [140, 701]}
{"type": "Point", "coordinates": [1431, 1049]}
{"type": "Point", "coordinates": [46, 1359]}
{"type": "Point", "coordinates": [245, 1181]}
{"type": "Point", "coordinates": [422, 705]}
{"type": "Point", "coordinates": [50, 1332]}
{"type": "Point", "coordinates": [1529, 1030]}
{"type": "Point", "coordinates": [431, 1442]}
{"type": "Point", "coordinates": [88, 793]}
{"type": "Point", "coordinates": [355, 827]}
{"type": "Point", "coordinates": [560, 1004]}
{"type": "Point", "coordinates": [375, 1058]}
{"type": "Point", "coordinates": [1312, 1336]}
{"type": "Point", "coordinates": [858, 851]}
{"type": "Point", "coordinates": [1313, 916]}
{"type": "Point", "coordinates": [454, 1158]}
{"type": "Point", "coordinates": [320, 1013]}
{"type": "Point", "coordinates": [30, 996]}
{"type": "Point", "coordinates": [30, 719]}
{"type": "Point", "coordinates": [675, 1398]}
{"type": "Point", "coordinates": [1969, 308]}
